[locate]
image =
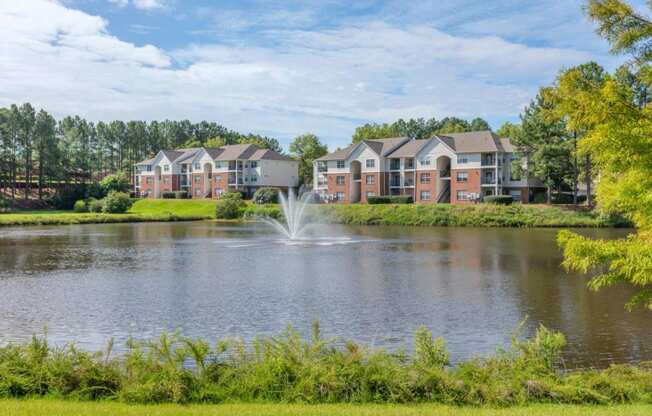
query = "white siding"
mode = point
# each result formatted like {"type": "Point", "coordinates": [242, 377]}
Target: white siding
{"type": "Point", "coordinates": [434, 151]}
{"type": "Point", "coordinates": [277, 173]}
{"type": "Point", "coordinates": [362, 154]}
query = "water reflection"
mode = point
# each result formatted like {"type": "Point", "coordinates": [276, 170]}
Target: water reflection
{"type": "Point", "coordinates": [93, 282]}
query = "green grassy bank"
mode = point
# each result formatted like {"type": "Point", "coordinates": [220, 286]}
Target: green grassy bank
{"type": "Point", "coordinates": [483, 215]}
{"type": "Point", "coordinates": [62, 408]}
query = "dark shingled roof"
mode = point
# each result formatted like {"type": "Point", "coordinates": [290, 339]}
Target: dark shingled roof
{"type": "Point", "coordinates": [409, 149]}
{"type": "Point", "coordinates": [471, 142]}
{"type": "Point", "coordinates": [381, 147]}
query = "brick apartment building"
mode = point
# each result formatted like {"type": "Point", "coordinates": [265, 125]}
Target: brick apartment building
{"type": "Point", "coordinates": [209, 172]}
{"type": "Point", "coordinates": [457, 168]}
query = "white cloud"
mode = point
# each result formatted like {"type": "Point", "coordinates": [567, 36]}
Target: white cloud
{"type": "Point", "coordinates": [119, 3]}
{"type": "Point", "coordinates": [149, 4]}
{"type": "Point", "coordinates": [320, 81]}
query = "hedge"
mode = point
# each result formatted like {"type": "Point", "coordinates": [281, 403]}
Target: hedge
{"type": "Point", "coordinates": [390, 199]}
{"type": "Point", "coordinates": [499, 199]}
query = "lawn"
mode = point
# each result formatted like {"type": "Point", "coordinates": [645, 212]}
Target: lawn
{"type": "Point", "coordinates": [180, 207]}
{"type": "Point", "coordinates": [44, 407]}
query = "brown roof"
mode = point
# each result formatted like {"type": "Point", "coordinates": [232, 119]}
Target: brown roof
{"type": "Point", "coordinates": [409, 149]}
{"type": "Point", "coordinates": [340, 154]}
{"type": "Point", "coordinates": [475, 141]}
{"type": "Point", "coordinates": [507, 145]}
{"type": "Point", "coordinates": [146, 162]}
{"type": "Point", "coordinates": [172, 155]}
{"type": "Point", "coordinates": [380, 146]}
{"type": "Point", "coordinates": [268, 154]}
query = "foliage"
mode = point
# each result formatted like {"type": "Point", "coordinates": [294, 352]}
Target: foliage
{"type": "Point", "coordinates": [80, 206]}
{"type": "Point", "coordinates": [266, 196]}
{"type": "Point", "coordinates": [168, 195]}
{"type": "Point", "coordinates": [116, 203]}
{"type": "Point", "coordinates": [230, 206]}
{"type": "Point", "coordinates": [306, 148]}
{"type": "Point", "coordinates": [499, 199]}
{"type": "Point", "coordinates": [181, 195]}
{"type": "Point", "coordinates": [390, 199]}
{"type": "Point", "coordinates": [618, 136]}
{"type": "Point", "coordinates": [118, 182]}
{"type": "Point", "coordinates": [95, 205]}
{"type": "Point", "coordinates": [509, 130]}
{"type": "Point", "coordinates": [418, 128]}
{"type": "Point", "coordinates": [290, 369]}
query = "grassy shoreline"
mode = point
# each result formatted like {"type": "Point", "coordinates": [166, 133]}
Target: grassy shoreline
{"type": "Point", "coordinates": [483, 215]}
{"type": "Point", "coordinates": [42, 407]}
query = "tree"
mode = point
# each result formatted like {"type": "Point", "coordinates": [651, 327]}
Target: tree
{"type": "Point", "coordinates": [118, 182]}
{"type": "Point", "coordinates": [374, 132]}
{"type": "Point", "coordinates": [619, 138]}
{"type": "Point", "coordinates": [542, 141]}
{"type": "Point", "coordinates": [306, 148]}
{"type": "Point", "coordinates": [509, 130]}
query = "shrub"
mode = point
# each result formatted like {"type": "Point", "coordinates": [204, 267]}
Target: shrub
{"type": "Point", "coordinates": [540, 198]}
{"type": "Point", "coordinates": [80, 206]}
{"type": "Point", "coordinates": [115, 183]}
{"type": "Point", "coordinates": [116, 203]}
{"type": "Point", "coordinates": [181, 195]}
{"type": "Point", "coordinates": [266, 196]}
{"type": "Point", "coordinates": [4, 205]}
{"type": "Point", "coordinates": [230, 206]}
{"type": "Point", "coordinates": [95, 205]}
{"type": "Point", "coordinates": [499, 199]}
{"type": "Point", "coordinates": [390, 199]}
{"type": "Point", "coordinates": [66, 197]}
{"type": "Point", "coordinates": [168, 195]}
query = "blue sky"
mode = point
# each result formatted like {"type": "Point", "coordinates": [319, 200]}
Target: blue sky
{"type": "Point", "coordinates": [283, 68]}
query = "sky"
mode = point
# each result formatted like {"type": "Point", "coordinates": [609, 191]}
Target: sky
{"type": "Point", "coordinates": [284, 68]}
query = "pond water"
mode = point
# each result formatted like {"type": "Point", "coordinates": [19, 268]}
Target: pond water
{"type": "Point", "coordinates": [91, 283]}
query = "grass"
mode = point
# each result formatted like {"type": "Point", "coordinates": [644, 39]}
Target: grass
{"type": "Point", "coordinates": [42, 407]}
{"type": "Point", "coordinates": [483, 215]}
{"type": "Point", "coordinates": [287, 369]}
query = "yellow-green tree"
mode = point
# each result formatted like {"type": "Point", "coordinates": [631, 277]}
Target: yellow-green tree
{"type": "Point", "coordinates": [619, 138]}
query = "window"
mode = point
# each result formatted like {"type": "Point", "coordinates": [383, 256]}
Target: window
{"type": "Point", "coordinates": [254, 165]}
{"type": "Point", "coordinates": [515, 194]}
{"type": "Point", "coordinates": [409, 163]}
{"type": "Point", "coordinates": [197, 166]}
{"type": "Point", "coordinates": [462, 196]}
{"type": "Point", "coordinates": [462, 176]}
{"type": "Point", "coordinates": [339, 180]}
{"type": "Point", "coordinates": [371, 179]}
{"type": "Point", "coordinates": [395, 164]}
{"type": "Point", "coordinates": [218, 165]}
{"type": "Point", "coordinates": [197, 192]}
{"type": "Point", "coordinates": [425, 162]}
{"type": "Point", "coordinates": [371, 163]}
{"type": "Point", "coordinates": [339, 196]}
{"type": "Point", "coordinates": [425, 195]}
{"type": "Point", "coordinates": [371, 194]}
{"type": "Point", "coordinates": [425, 178]}
{"type": "Point", "coordinates": [218, 178]}
{"type": "Point", "coordinates": [166, 168]}
{"type": "Point", "coordinates": [462, 159]}
{"type": "Point", "coordinates": [197, 179]}
{"type": "Point", "coordinates": [340, 164]}
{"type": "Point", "coordinates": [165, 180]}
{"type": "Point", "coordinates": [254, 179]}
{"type": "Point", "coordinates": [150, 181]}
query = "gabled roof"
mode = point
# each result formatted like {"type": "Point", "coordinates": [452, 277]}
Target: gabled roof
{"type": "Point", "coordinates": [172, 155]}
{"type": "Point", "coordinates": [237, 151]}
{"type": "Point", "coordinates": [409, 149]}
{"type": "Point", "coordinates": [380, 146]}
{"type": "Point", "coordinates": [507, 145]}
{"type": "Point", "coordinates": [267, 154]}
{"type": "Point", "coordinates": [147, 161]}
{"type": "Point", "coordinates": [187, 155]}
{"type": "Point", "coordinates": [341, 154]}
{"type": "Point", "coordinates": [471, 142]}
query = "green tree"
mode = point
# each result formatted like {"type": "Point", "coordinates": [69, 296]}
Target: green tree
{"type": "Point", "coordinates": [509, 130]}
{"type": "Point", "coordinates": [375, 132]}
{"type": "Point", "coordinates": [306, 148]}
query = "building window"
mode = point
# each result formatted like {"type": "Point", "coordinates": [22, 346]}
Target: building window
{"type": "Point", "coordinates": [462, 176]}
{"type": "Point", "coordinates": [339, 196]}
{"type": "Point", "coordinates": [340, 164]}
{"type": "Point", "coordinates": [218, 178]}
{"type": "Point", "coordinates": [425, 162]}
{"type": "Point", "coordinates": [516, 194]}
{"type": "Point", "coordinates": [425, 195]}
{"type": "Point", "coordinates": [371, 194]}
{"type": "Point", "coordinates": [339, 180]}
{"type": "Point", "coordinates": [462, 196]}
{"type": "Point", "coordinates": [462, 159]}
{"type": "Point", "coordinates": [165, 180]}
{"type": "Point", "coordinates": [371, 163]}
{"type": "Point", "coordinates": [425, 178]}
{"type": "Point", "coordinates": [371, 179]}
{"type": "Point", "coordinates": [149, 181]}
{"type": "Point", "coordinates": [254, 165]}
{"type": "Point", "coordinates": [197, 192]}
{"type": "Point", "coordinates": [254, 179]}
{"type": "Point", "coordinates": [197, 166]}
{"type": "Point", "coordinates": [395, 164]}
{"type": "Point", "coordinates": [166, 168]}
{"type": "Point", "coordinates": [218, 165]}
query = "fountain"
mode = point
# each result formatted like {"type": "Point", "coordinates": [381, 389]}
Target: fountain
{"type": "Point", "coordinates": [293, 210]}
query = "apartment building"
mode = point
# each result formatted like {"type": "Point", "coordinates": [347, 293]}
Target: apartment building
{"type": "Point", "coordinates": [209, 172]}
{"type": "Point", "coordinates": [457, 168]}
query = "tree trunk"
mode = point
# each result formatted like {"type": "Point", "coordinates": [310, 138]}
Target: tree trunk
{"type": "Point", "coordinates": [549, 195]}
{"type": "Point", "coordinates": [589, 180]}
{"type": "Point", "coordinates": [576, 170]}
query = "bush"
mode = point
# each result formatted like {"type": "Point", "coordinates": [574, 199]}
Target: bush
{"type": "Point", "coordinates": [230, 206]}
{"type": "Point", "coordinates": [181, 195]}
{"type": "Point", "coordinates": [266, 196]}
{"type": "Point", "coordinates": [80, 206]}
{"type": "Point", "coordinates": [390, 199]}
{"type": "Point", "coordinates": [115, 183]}
{"type": "Point", "coordinates": [116, 203]}
{"type": "Point", "coordinates": [168, 195]}
{"type": "Point", "coordinates": [540, 198]}
{"type": "Point", "coordinates": [4, 205]}
{"type": "Point", "coordinates": [499, 199]}
{"type": "Point", "coordinates": [95, 205]}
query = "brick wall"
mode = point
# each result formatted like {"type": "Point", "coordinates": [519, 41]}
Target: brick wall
{"type": "Point", "coordinates": [220, 181]}
{"type": "Point", "coordinates": [144, 186]}
{"type": "Point", "coordinates": [197, 185]}
{"type": "Point", "coordinates": [471, 186]}
{"type": "Point", "coordinates": [334, 188]}
{"type": "Point", "coordinates": [431, 187]}
{"type": "Point", "coordinates": [375, 187]}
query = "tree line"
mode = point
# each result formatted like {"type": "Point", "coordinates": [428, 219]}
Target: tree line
{"type": "Point", "coordinates": [418, 128]}
{"type": "Point", "coordinates": [39, 153]}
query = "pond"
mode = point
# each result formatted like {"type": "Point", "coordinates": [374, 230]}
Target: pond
{"type": "Point", "coordinates": [91, 283]}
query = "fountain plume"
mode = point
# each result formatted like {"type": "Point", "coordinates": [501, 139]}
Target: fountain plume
{"type": "Point", "coordinates": [293, 211]}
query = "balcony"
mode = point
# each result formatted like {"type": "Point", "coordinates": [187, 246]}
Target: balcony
{"type": "Point", "coordinates": [488, 160]}
{"type": "Point", "coordinates": [357, 177]}
{"type": "Point", "coordinates": [409, 164]}
{"type": "Point", "coordinates": [445, 174]}
{"type": "Point", "coordinates": [409, 183]}
{"type": "Point", "coordinates": [322, 167]}
{"type": "Point", "coordinates": [233, 167]}
{"type": "Point", "coordinates": [395, 164]}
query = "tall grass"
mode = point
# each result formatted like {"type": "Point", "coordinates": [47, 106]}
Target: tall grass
{"type": "Point", "coordinates": [289, 369]}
